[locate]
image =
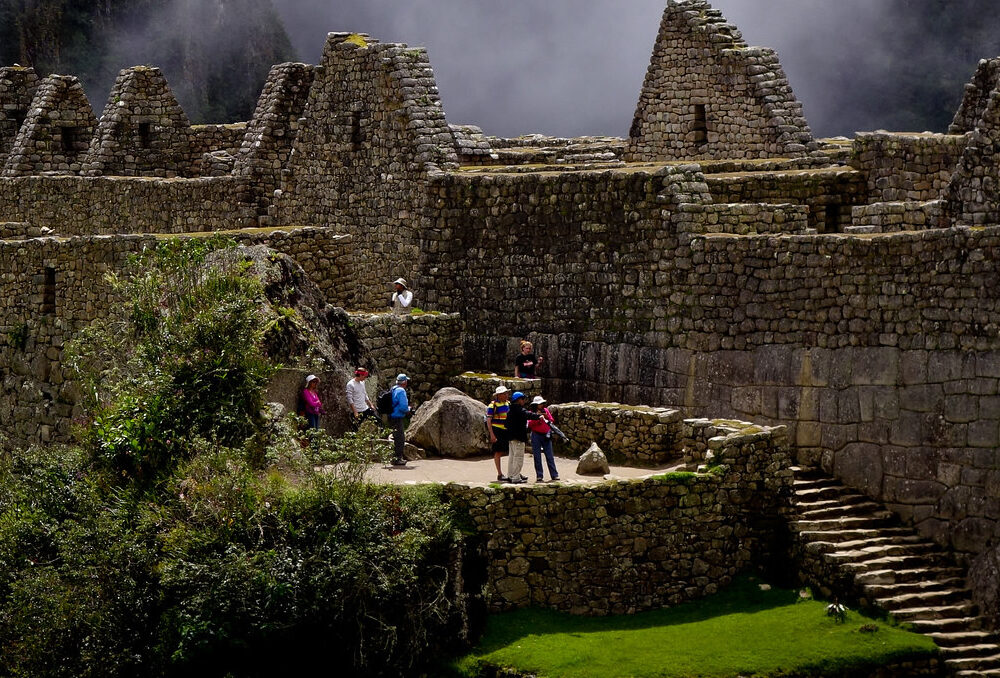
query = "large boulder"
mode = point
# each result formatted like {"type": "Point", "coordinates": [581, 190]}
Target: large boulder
{"type": "Point", "coordinates": [593, 462]}
{"type": "Point", "coordinates": [984, 579]}
{"type": "Point", "coordinates": [450, 424]}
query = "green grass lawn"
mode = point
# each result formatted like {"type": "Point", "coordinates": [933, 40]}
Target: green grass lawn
{"type": "Point", "coordinates": [741, 631]}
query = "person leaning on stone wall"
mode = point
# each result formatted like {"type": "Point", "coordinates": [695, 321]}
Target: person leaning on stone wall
{"type": "Point", "coordinates": [526, 363]}
{"type": "Point", "coordinates": [402, 297]}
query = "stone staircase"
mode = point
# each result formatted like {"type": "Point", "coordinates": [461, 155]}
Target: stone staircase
{"type": "Point", "coordinates": [849, 546]}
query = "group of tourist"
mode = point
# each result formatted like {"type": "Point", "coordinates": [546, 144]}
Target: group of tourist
{"type": "Point", "coordinates": [509, 423]}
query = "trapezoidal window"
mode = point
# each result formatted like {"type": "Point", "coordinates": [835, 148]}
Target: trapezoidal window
{"type": "Point", "coordinates": [355, 130]}
{"type": "Point", "coordinates": [699, 127]}
{"type": "Point", "coordinates": [831, 222]}
{"type": "Point", "coordinates": [49, 290]}
{"type": "Point", "coordinates": [72, 141]}
{"type": "Point", "coordinates": [18, 117]}
{"type": "Point", "coordinates": [145, 135]}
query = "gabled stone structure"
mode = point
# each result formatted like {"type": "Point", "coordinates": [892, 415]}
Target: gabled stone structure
{"type": "Point", "coordinates": [56, 134]}
{"type": "Point", "coordinates": [372, 134]}
{"type": "Point", "coordinates": [17, 88]}
{"type": "Point", "coordinates": [267, 145]}
{"type": "Point", "coordinates": [707, 95]}
{"type": "Point", "coordinates": [143, 131]}
{"type": "Point", "coordinates": [977, 97]}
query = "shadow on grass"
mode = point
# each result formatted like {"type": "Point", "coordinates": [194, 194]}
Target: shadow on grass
{"type": "Point", "coordinates": [743, 596]}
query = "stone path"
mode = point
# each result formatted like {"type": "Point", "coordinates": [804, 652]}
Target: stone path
{"type": "Point", "coordinates": [481, 471]}
{"type": "Point", "coordinates": [844, 537]}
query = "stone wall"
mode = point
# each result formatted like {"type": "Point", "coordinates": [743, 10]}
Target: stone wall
{"type": "Point", "coordinates": [974, 192]}
{"type": "Point", "coordinates": [634, 435]}
{"type": "Point", "coordinates": [907, 167]}
{"type": "Point", "coordinates": [617, 548]}
{"type": "Point", "coordinates": [427, 347]}
{"type": "Point", "coordinates": [482, 387]}
{"type": "Point", "coordinates": [742, 218]}
{"type": "Point", "coordinates": [708, 95]}
{"type": "Point", "coordinates": [106, 205]}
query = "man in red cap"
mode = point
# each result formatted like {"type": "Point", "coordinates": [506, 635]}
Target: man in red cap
{"type": "Point", "coordinates": [357, 398]}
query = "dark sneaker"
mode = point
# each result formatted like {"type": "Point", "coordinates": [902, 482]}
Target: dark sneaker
{"type": "Point", "coordinates": [399, 462]}
{"type": "Point", "coordinates": [523, 477]}
{"type": "Point", "coordinates": [503, 479]}
{"type": "Point", "coordinates": [554, 480]}
{"type": "Point", "coordinates": [518, 481]}
{"type": "Point", "coordinates": [539, 480]}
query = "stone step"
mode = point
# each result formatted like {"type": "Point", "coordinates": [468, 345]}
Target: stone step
{"type": "Point", "coordinates": [890, 575]}
{"type": "Point", "coordinates": [964, 638]}
{"type": "Point", "coordinates": [822, 546]}
{"type": "Point", "coordinates": [946, 625]}
{"type": "Point", "coordinates": [939, 612]}
{"type": "Point", "coordinates": [870, 521]}
{"type": "Point", "coordinates": [811, 493]}
{"type": "Point", "coordinates": [814, 504]}
{"type": "Point", "coordinates": [838, 510]}
{"type": "Point", "coordinates": [974, 663]}
{"type": "Point", "coordinates": [902, 588]}
{"type": "Point", "coordinates": [924, 598]}
{"type": "Point", "coordinates": [854, 534]}
{"type": "Point", "coordinates": [977, 673]}
{"type": "Point", "coordinates": [901, 562]}
{"type": "Point", "coordinates": [959, 651]}
{"type": "Point", "coordinates": [864, 554]}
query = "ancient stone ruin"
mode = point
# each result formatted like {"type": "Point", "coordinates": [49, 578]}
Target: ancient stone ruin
{"type": "Point", "coordinates": [719, 261]}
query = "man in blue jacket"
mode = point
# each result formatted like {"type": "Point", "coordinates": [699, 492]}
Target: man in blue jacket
{"type": "Point", "coordinates": [400, 410]}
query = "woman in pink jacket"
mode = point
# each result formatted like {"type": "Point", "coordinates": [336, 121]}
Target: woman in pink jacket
{"type": "Point", "coordinates": [541, 440]}
{"type": "Point", "coordinates": [311, 402]}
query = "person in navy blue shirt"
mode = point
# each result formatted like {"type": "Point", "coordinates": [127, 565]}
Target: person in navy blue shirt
{"type": "Point", "coordinates": [400, 410]}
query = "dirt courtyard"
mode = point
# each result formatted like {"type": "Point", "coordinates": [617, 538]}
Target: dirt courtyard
{"type": "Point", "coordinates": [480, 470]}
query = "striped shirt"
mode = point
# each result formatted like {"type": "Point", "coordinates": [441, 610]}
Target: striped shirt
{"type": "Point", "coordinates": [497, 412]}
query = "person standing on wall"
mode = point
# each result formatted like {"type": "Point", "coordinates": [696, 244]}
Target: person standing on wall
{"type": "Point", "coordinates": [517, 431]}
{"type": "Point", "coordinates": [526, 362]}
{"type": "Point", "coordinates": [402, 297]}
{"type": "Point", "coordinates": [400, 410]}
{"type": "Point", "coordinates": [541, 440]}
{"type": "Point", "coordinates": [496, 424]}
{"type": "Point", "coordinates": [312, 404]}
{"type": "Point", "coordinates": [357, 397]}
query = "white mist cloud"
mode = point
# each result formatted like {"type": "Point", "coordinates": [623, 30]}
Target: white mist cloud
{"type": "Point", "coordinates": [572, 67]}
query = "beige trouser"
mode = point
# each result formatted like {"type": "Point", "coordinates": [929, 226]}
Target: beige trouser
{"type": "Point", "coordinates": [516, 459]}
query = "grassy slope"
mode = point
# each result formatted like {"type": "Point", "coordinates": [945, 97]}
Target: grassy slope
{"type": "Point", "coordinates": [741, 631]}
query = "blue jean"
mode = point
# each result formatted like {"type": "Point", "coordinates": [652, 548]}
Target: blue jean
{"type": "Point", "coordinates": [541, 443]}
{"type": "Point", "coordinates": [313, 420]}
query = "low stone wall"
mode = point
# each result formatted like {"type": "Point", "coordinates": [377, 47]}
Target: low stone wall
{"type": "Point", "coordinates": [742, 219]}
{"type": "Point", "coordinates": [427, 347]}
{"type": "Point", "coordinates": [630, 434]}
{"type": "Point", "coordinates": [829, 192]}
{"type": "Point", "coordinates": [889, 217]}
{"type": "Point", "coordinates": [907, 167]}
{"type": "Point", "coordinates": [104, 205]}
{"type": "Point", "coordinates": [618, 548]}
{"type": "Point", "coordinates": [482, 386]}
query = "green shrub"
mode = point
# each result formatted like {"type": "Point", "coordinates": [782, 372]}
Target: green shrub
{"type": "Point", "coordinates": [194, 532]}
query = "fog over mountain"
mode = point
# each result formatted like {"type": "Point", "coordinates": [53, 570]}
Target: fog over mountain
{"type": "Point", "coordinates": [570, 67]}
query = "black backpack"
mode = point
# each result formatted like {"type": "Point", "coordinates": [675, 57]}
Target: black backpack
{"type": "Point", "coordinates": [383, 403]}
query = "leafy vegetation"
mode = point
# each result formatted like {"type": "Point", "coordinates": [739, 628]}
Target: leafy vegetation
{"type": "Point", "coordinates": [193, 533]}
{"type": "Point", "coordinates": [742, 631]}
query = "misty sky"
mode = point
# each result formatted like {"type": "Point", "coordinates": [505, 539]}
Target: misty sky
{"type": "Point", "coordinates": [574, 67]}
